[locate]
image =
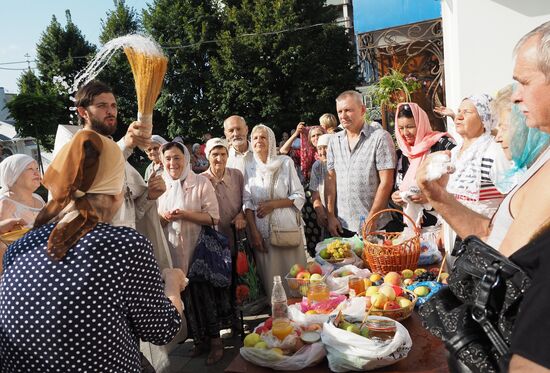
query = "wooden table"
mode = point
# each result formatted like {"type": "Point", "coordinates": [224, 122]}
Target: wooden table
{"type": "Point", "coordinates": [428, 354]}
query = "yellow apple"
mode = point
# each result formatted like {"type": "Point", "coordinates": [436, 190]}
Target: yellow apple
{"type": "Point", "coordinates": [378, 300]}
{"type": "Point", "coordinates": [371, 290]}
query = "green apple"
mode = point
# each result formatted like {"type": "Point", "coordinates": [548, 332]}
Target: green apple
{"type": "Point", "coordinates": [353, 328]}
{"type": "Point", "coordinates": [251, 340]}
{"type": "Point", "coordinates": [261, 345]}
{"type": "Point", "coordinates": [407, 273]}
{"type": "Point", "coordinates": [421, 291]}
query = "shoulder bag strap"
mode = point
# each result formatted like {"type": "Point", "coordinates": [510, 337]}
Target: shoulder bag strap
{"type": "Point", "coordinates": [272, 192]}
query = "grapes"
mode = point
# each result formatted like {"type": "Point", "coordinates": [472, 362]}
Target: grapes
{"type": "Point", "coordinates": [338, 250]}
{"type": "Point", "coordinates": [426, 276]}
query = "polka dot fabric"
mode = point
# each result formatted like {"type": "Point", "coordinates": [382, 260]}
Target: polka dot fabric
{"type": "Point", "coordinates": [87, 312]}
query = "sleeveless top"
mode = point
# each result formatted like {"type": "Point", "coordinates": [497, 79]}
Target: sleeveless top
{"type": "Point", "coordinates": [23, 211]}
{"type": "Point", "coordinates": [503, 218]}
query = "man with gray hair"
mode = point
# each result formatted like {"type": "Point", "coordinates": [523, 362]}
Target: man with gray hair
{"type": "Point", "coordinates": [236, 133]}
{"type": "Point", "coordinates": [522, 217]}
{"type": "Point", "coordinates": [360, 163]}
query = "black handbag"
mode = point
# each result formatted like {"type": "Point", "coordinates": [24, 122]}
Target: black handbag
{"type": "Point", "coordinates": [211, 260]}
{"type": "Point", "coordinates": [475, 314]}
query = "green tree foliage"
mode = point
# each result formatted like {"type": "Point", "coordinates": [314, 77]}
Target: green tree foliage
{"type": "Point", "coordinates": [184, 101]}
{"type": "Point", "coordinates": [283, 77]}
{"type": "Point", "coordinates": [120, 21]}
{"type": "Point", "coordinates": [62, 51]}
{"type": "Point", "coordinates": [36, 115]}
{"type": "Point", "coordinates": [41, 105]}
{"type": "Point", "coordinates": [28, 82]}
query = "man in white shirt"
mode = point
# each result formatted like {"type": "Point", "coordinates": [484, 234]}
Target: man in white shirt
{"type": "Point", "coordinates": [236, 132]}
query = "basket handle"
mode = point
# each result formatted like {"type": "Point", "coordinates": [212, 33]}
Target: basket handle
{"type": "Point", "coordinates": [369, 222]}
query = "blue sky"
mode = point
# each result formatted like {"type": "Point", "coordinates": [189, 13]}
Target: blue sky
{"type": "Point", "coordinates": [23, 22]}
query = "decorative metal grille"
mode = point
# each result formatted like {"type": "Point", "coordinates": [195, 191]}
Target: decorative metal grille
{"type": "Point", "coordinates": [410, 40]}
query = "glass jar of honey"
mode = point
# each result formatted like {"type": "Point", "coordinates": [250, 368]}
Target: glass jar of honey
{"type": "Point", "coordinates": [381, 329]}
{"type": "Point", "coordinates": [318, 292]}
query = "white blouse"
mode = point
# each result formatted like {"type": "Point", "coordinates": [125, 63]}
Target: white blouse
{"type": "Point", "coordinates": [257, 189]}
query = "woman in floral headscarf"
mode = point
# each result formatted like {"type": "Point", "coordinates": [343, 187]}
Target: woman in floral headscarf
{"type": "Point", "coordinates": [479, 161]}
{"type": "Point", "coordinates": [272, 173]}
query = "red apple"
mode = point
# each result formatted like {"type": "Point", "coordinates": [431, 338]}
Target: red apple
{"type": "Point", "coordinates": [302, 276]}
{"type": "Point", "coordinates": [392, 278]}
{"type": "Point", "coordinates": [387, 243]}
{"type": "Point", "coordinates": [398, 290]}
{"type": "Point", "coordinates": [314, 267]}
{"type": "Point", "coordinates": [268, 323]}
{"type": "Point", "coordinates": [295, 269]}
{"type": "Point", "coordinates": [391, 305]}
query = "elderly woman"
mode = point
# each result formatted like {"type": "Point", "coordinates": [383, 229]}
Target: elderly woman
{"type": "Point", "coordinates": [94, 289]}
{"type": "Point", "coordinates": [273, 198]}
{"type": "Point", "coordinates": [228, 184]}
{"type": "Point", "coordinates": [189, 203]}
{"type": "Point", "coordinates": [416, 140]}
{"type": "Point", "coordinates": [479, 161]}
{"type": "Point", "coordinates": [19, 179]}
{"type": "Point", "coordinates": [200, 163]}
{"type": "Point", "coordinates": [153, 153]}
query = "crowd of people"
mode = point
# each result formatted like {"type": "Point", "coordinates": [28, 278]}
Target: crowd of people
{"type": "Point", "coordinates": [83, 277]}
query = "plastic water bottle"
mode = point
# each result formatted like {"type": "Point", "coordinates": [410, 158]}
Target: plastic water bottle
{"type": "Point", "coordinates": [279, 304]}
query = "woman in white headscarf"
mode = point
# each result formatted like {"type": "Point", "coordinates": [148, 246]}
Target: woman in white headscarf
{"type": "Point", "coordinates": [272, 192]}
{"type": "Point", "coordinates": [479, 161]}
{"type": "Point", "coordinates": [189, 203]}
{"type": "Point", "coordinates": [153, 153]}
{"type": "Point", "coordinates": [19, 178]}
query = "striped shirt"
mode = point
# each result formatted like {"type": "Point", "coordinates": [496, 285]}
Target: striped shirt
{"type": "Point", "coordinates": [493, 165]}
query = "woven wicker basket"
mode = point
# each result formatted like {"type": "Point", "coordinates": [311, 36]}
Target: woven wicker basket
{"type": "Point", "coordinates": [383, 259]}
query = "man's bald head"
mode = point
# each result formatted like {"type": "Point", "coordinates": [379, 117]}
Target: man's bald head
{"type": "Point", "coordinates": [236, 132]}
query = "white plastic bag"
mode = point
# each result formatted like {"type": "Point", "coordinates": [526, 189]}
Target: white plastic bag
{"type": "Point", "coordinates": [429, 252]}
{"type": "Point", "coordinates": [339, 284]}
{"type": "Point", "coordinates": [348, 351]}
{"type": "Point", "coordinates": [328, 266]}
{"type": "Point", "coordinates": [308, 355]}
{"type": "Point", "coordinates": [354, 307]}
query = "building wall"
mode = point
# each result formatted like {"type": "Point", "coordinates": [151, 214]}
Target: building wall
{"type": "Point", "coordinates": [370, 15]}
{"type": "Point", "coordinates": [4, 112]}
{"type": "Point", "coordinates": [479, 37]}
{"type": "Point", "coordinates": [345, 8]}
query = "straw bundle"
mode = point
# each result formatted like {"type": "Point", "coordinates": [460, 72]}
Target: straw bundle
{"type": "Point", "coordinates": [148, 71]}
{"type": "Point", "coordinates": [148, 64]}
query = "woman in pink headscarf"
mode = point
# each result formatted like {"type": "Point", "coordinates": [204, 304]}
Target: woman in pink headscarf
{"type": "Point", "coordinates": [416, 140]}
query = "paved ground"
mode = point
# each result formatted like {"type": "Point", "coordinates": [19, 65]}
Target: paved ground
{"type": "Point", "coordinates": [181, 362]}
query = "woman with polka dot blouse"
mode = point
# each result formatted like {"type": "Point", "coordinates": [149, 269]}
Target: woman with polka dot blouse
{"type": "Point", "coordinates": [77, 293]}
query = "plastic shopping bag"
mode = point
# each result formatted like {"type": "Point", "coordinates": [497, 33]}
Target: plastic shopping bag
{"type": "Point", "coordinates": [309, 355]}
{"type": "Point", "coordinates": [347, 351]}
{"type": "Point", "coordinates": [338, 280]}
{"type": "Point", "coordinates": [353, 307]}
